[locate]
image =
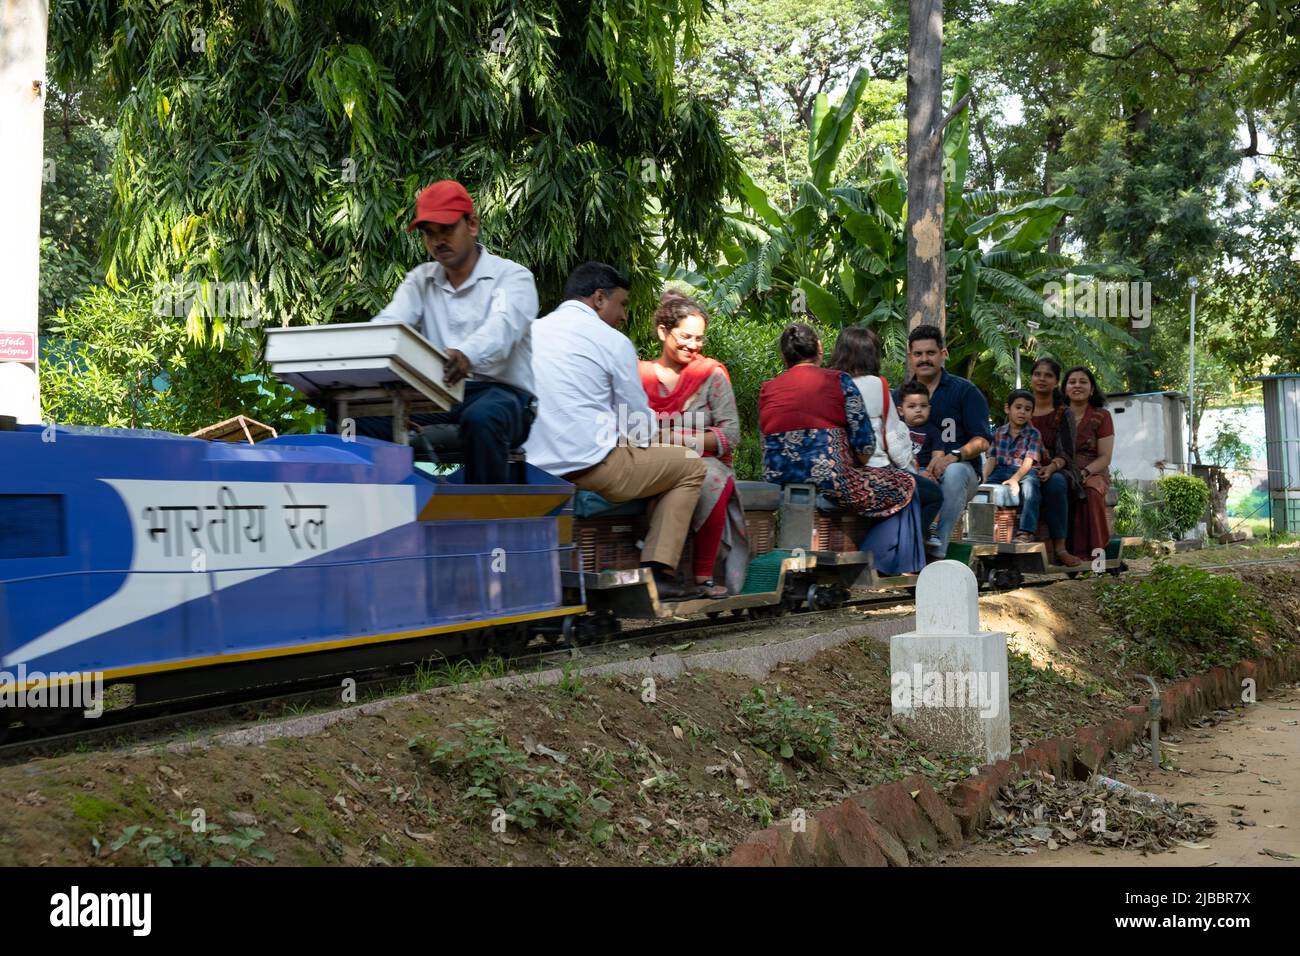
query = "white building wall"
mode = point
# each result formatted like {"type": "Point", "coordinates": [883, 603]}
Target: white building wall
{"type": "Point", "coordinates": [1148, 435]}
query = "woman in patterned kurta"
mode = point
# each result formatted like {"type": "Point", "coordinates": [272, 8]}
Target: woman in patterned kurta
{"type": "Point", "coordinates": [816, 430]}
{"type": "Point", "coordinates": [692, 396]}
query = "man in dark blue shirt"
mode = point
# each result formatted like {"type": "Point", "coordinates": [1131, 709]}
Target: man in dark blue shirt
{"type": "Point", "coordinates": [961, 413]}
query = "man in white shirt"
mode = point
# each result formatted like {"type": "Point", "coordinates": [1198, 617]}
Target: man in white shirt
{"type": "Point", "coordinates": [477, 308]}
{"type": "Point", "coordinates": [594, 423]}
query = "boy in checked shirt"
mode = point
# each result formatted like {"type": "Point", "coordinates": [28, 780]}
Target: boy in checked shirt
{"type": "Point", "coordinates": [1017, 449]}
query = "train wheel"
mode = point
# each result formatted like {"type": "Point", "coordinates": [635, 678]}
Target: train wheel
{"type": "Point", "coordinates": [1004, 579]}
{"type": "Point", "coordinates": [512, 642]}
{"type": "Point", "coordinates": [819, 598]}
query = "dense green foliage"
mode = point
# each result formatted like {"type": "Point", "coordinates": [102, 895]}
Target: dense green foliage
{"type": "Point", "coordinates": [1181, 146]}
{"type": "Point", "coordinates": [1185, 619]}
{"type": "Point", "coordinates": [111, 361]}
{"type": "Point", "coordinates": [838, 256]}
{"type": "Point", "coordinates": [763, 63]}
{"type": "Point", "coordinates": [283, 146]}
{"type": "Point", "coordinates": [1176, 123]}
{"type": "Point", "coordinates": [1183, 499]}
{"type": "Point", "coordinates": [76, 189]}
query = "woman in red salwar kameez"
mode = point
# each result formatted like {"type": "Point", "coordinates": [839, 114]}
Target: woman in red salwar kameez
{"type": "Point", "coordinates": [691, 394]}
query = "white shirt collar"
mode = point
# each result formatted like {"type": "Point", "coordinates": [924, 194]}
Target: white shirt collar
{"type": "Point", "coordinates": [485, 267]}
{"type": "Point", "coordinates": [581, 307]}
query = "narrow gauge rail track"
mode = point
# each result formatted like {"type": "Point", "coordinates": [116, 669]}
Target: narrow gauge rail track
{"type": "Point", "coordinates": [135, 725]}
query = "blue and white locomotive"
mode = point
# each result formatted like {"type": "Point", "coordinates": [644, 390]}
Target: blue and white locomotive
{"type": "Point", "coordinates": [172, 561]}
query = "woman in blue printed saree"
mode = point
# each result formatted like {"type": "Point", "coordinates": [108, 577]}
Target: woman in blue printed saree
{"type": "Point", "coordinates": [816, 431]}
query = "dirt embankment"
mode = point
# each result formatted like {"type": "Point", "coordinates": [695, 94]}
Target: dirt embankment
{"type": "Point", "coordinates": [589, 771]}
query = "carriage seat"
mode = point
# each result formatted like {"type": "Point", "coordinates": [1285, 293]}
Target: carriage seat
{"type": "Point", "coordinates": [759, 495]}
{"type": "Point", "coordinates": [998, 495]}
{"type": "Point", "coordinates": [588, 504]}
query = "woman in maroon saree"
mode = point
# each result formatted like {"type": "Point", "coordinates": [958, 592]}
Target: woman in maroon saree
{"type": "Point", "coordinates": [1094, 443]}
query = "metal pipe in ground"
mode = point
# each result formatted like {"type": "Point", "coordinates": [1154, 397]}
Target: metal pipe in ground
{"type": "Point", "coordinates": [1153, 718]}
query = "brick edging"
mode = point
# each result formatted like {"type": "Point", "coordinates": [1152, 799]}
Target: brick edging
{"type": "Point", "coordinates": [896, 824]}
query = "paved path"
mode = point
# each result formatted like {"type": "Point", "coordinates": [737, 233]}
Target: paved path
{"type": "Point", "coordinates": [1224, 764]}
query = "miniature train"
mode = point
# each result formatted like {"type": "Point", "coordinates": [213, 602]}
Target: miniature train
{"type": "Point", "coordinates": [188, 567]}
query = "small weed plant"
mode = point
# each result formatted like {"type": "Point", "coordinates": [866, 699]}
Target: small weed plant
{"type": "Point", "coordinates": [496, 775]}
{"type": "Point", "coordinates": [785, 727]}
{"type": "Point", "coordinates": [571, 684]}
{"type": "Point", "coordinates": [180, 845]}
{"type": "Point", "coordinates": [757, 808]}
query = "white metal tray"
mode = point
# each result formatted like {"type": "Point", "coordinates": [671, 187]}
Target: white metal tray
{"type": "Point", "coordinates": [333, 359]}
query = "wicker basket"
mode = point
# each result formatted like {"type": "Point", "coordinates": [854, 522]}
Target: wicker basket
{"type": "Point", "coordinates": [610, 544]}
{"type": "Point", "coordinates": [839, 531]}
{"type": "Point", "coordinates": [760, 527]}
{"type": "Point", "coordinates": [1004, 525]}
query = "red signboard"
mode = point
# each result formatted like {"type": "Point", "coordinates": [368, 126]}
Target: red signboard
{"type": "Point", "coordinates": [17, 347]}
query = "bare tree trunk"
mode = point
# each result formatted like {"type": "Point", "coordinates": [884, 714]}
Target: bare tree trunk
{"type": "Point", "coordinates": [926, 268]}
{"type": "Point", "coordinates": [1052, 146]}
{"type": "Point", "coordinates": [990, 173]}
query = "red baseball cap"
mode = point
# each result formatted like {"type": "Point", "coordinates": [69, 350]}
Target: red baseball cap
{"type": "Point", "coordinates": [444, 202]}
